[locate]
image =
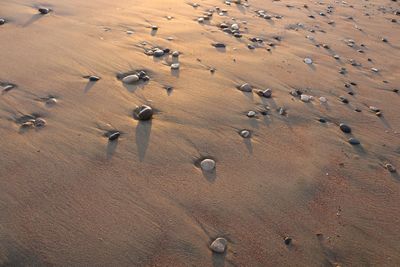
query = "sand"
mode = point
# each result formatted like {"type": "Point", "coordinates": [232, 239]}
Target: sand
{"type": "Point", "coordinates": [71, 197]}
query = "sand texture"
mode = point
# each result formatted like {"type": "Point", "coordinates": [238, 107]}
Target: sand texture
{"type": "Point", "coordinates": [290, 190]}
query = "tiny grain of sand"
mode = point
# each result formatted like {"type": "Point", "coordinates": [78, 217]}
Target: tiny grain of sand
{"type": "Point", "coordinates": [288, 188]}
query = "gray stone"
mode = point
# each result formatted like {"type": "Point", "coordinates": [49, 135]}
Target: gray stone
{"type": "Point", "coordinates": [219, 245]}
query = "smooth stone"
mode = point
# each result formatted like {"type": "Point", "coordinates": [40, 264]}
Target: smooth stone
{"type": "Point", "coordinates": [219, 245]}
{"type": "Point", "coordinates": [345, 128]}
{"type": "Point", "coordinates": [267, 93]}
{"type": "Point", "coordinates": [2, 21]}
{"type": "Point", "coordinates": [154, 27]}
{"type": "Point", "coordinates": [219, 45]}
{"type": "Point", "coordinates": [51, 101]}
{"type": "Point", "coordinates": [390, 167]}
{"type": "Point", "coordinates": [354, 141]}
{"type": "Point", "coordinates": [323, 99]}
{"type": "Point", "coordinates": [308, 60]}
{"type": "Point", "coordinates": [94, 78]}
{"type": "Point", "coordinates": [114, 136]}
{"type": "Point", "coordinates": [305, 98]}
{"type": "Point", "coordinates": [158, 53]}
{"type": "Point", "coordinates": [44, 10]}
{"type": "Point", "coordinates": [251, 114]}
{"type": "Point", "coordinates": [374, 109]}
{"type": "Point", "coordinates": [175, 54]}
{"type": "Point", "coordinates": [207, 165]}
{"type": "Point", "coordinates": [39, 123]}
{"type": "Point", "coordinates": [245, 87]}
{"type": "Point", "coordinates": [245, 133]}
{"type": "Point", "coordinates": [175, 66]}
{"type": "Point", "coordinates": [130, 79]}
{"type": "Point", "coordinates": [144, 113]}
{"type": "Point", "coordinates": [322, 120]}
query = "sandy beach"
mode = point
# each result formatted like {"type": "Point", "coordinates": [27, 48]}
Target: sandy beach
{"type": "Point", "coordinates": [136, 133]}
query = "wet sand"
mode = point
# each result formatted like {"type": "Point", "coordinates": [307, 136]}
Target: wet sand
{"type": "Point", "coordinates": [71, 197]}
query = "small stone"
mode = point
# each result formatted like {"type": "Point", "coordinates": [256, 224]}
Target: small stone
{"type": "Point", "coordinates": [323, 99]}
{"type": "Point", "coordinates": [322, 120]}
{"type": "Point", "coordinates": [345, 128]}
{"type": "Point", "coordinates": [374, 109]}
{"type": "Point", "coordinates": [305, 98]}
{"type": "Point", "coordinates": [251, 114]}
{"type": "Point", "coordinates": [343, 100]}
{"type": "Point", "coordinates": [2, 21]}
{"type": "Point", "coordinates": [219, 45]}
{"type": "Point", "coordinates": [94, 78]}
{"type": "Point", "coordinates": [51, 101]}
{"type": "Point", "coordinates": [245, 87]}
{"type": "Point", "coordinates": [288, 240]}
{"type": "Point", "coordinates": [175, 66]}
{"type": "Point", "coordinates": [374, 69]}
{"type": "Point", "coordinates": [265, 93]}
{"type": "Point", "coordinates": [154, 27]}
{"type": "Point", "coordinates": [130, 79]}
{"type": "Point", "coordinates": [28, 124]}
{"type": "Point", "coordinates": [207, 165]}
{"type": "Point", "coordinates": [308, 60]}
{"type": "Point", "coordinates": [353, 141]}
{"type": "Point", "coordinates": [175, 54]}
{"type": "Point", "coordinates": [282, 111]}
{"type": "Point", "coordinates": [143, 113]}
{"type": "Point", "coordinates": [158, 53]}
{"type": "Point", "coordinates": [390, 167]}
{"type": "Point", "coordinates": [219, 245]}
{"type": "Point", "coordinates": [39, 123]}
{"type": "Point", "coordinates": [245, 133]}
{"type": "Point", "coordinates": [114, 136]}
{"type": "Point", "coordinates": [44, 10]}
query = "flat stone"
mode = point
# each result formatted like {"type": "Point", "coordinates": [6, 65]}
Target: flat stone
{"type": "Point", "coordinates": [219, 45]}
{"type": "Point", "coordinates": [308, 60]}
{"type": "Point", "coordinates": [207, 165]}
{"type": "Point", "coordinates": [94, 78]}
{"type": "Point", "coordinates": [114, 136]}
{"type": "Point", "coordinates": [175, 66]}
{"type": "Point", "coordinates": [44, 10]}
{"type": "Point", "coordinates": [219, 245]}
{"type": "Point", "coordinates": [353, 141]}
{"type": "Point", "coordinates": [245, 87]}
{"type": "Point", "coordinates": [130, 79]}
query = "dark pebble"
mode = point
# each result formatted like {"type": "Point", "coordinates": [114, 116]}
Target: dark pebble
{"type": "Point", "coordinates": [114, 136]}
{"type": "Point", "coordinates": [44, 10]}
{"type": "Point", "coordinates": [94, 78]}
{"type": "Point", "coordinates": [353, 141]}
{"type": "Point", "coordinates": [345, 128]}
{"type": "Point", "coordinates": [143, 113]}
{"type": "Point", "coordinates": [322, 120]}
{"type": "Point", "coordinates": [2, 21]}
{"type": "Point", "coordinates": [343, 100]}
{"type": "Point", "coordinates": [288, 240]}
{"type": "Point", "coordinates": [219, 45]}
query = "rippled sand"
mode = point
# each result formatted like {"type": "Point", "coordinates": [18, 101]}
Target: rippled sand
{"type": "Point", "coordinates": [69, 197]}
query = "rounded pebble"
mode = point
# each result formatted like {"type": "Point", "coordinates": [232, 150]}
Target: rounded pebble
{"type": "Point", "coordinates": [219, 245]}
{"type": "Point", "coordinates": [207, 165]}
{"type": "Point", "coordinates": [130, 79]}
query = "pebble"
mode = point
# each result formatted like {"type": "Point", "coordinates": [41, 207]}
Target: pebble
{"type": "Point", "coordinates": [323, 99]}
{"type": "Point", "coordinates": [288, 240]}
{"type": "Point", "coordinates": [175, 54]}
{"type": "Point", "coordinates": [345, 128]}
{"type": "Point", "coordinates": [322, 120]}
{"type": "Point", "coordinates": [39, 123]}
{"type": "Point", "coordinates": [114, 136]}
{"type": "Point", "coordinates": [44, 10]}
{"type": "Point", "coordinates": [245, 133]}
{"type": "Point", "coordinates": [158, 53]}
{"type": "Point", "coordinates": [353, 141]}
{"type": "Point", "coordinates": [130, 79]}
{"type": "Point", "coordinates": [265, 93]}
{"type": "Point", "coordinates": [305, 98]}
{"type": "Point", "coordinates": [219, 245]}
{"type": "Point", "coordinates": [251, 114]}
{"type": "Point", "coordinates": [343, 99]}
{"type": "Point", "coordinates": [246, 87]}
{"type": "Point", "coordinates": [390, 167]}
{"type": "Point", "coordinates": [94, 78]}
{"type": "Point", "coordinates": [51, 101]}
{"type": "Point", "coordinates": [175, 66]}
{"type": "Point", "coordinates": [308, 60]}
{"type": "Point", "coordinates": [207, 165]}
{"type": "Point", "coordinates": [144, 113]}
{"type": "Point", "coordinates": [219, 45]}
{"type": "Point", "coordinates": [2, 21]}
